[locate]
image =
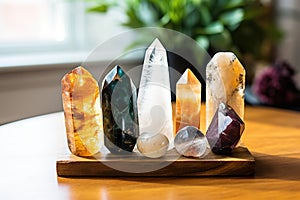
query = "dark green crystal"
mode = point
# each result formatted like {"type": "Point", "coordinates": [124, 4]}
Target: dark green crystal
{"type": "Point", "coordinates": [119, 107]}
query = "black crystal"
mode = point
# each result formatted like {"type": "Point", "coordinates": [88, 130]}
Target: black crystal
{"type": "Point", "coordinates": [119, 107]}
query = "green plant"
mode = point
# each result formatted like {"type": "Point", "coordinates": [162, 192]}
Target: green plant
{"type": "Point", "coordinates": [242, 26]}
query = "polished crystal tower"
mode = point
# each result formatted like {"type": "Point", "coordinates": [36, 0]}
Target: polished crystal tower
{"type": "Point", "coordinates": [188, 101]}
{"type": "Point", "coordinates": [83, 117]}
{"type": "Point", "coordinates": [119, 107]}
{"type": "Point", "coordinates": [225, 82]}
{"type": "Point", "coordinates": [154, 97]}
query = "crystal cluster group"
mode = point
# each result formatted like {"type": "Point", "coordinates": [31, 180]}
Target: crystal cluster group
{"type": "Point", "coordinates": [124, 118]}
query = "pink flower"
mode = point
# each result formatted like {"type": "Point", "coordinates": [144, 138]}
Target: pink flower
{"type": "Point", "coordinates": [275, 85]}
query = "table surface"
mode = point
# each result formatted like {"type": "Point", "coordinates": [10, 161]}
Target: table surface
{"type": "Point", "coordinates": [30, 148]}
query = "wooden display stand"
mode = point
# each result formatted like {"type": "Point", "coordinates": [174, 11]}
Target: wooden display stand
{"type": "Point", "coordinates": [240, 163]}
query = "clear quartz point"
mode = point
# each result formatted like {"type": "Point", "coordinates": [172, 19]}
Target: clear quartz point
{"type": "Point", "coordinates": [154, 97]}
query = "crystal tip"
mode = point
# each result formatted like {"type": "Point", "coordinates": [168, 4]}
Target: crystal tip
{"type": "Point", "coordinates": [156, 44]}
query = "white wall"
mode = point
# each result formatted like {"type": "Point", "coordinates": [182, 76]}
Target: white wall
{"type": "Point", "coordinates": [30, 92]}
{"type": "Point", "coordinates": [36, 90]}
{"type": "Point", "coordinates": [288, 18]}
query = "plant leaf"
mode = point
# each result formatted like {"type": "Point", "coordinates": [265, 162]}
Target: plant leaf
{"type": "Point", "coordinates": [213, 28]}
{"type": "Point", "coordinates": [233, 17]}
{"type": "Point", "coordinates": [164, 20]}
{"type": "Point", "coordinates": [221, 41]}
{"type": "Point", "coordinates": [146, 14]}
{"type": "Point", "coordinates": [235, 4]}
{"type": "Point", "coordinates": [99, 8]}
{"type": "Point", "coordinates": [203, 41]}
{"type": "Point", "coordinates": [204, 15]}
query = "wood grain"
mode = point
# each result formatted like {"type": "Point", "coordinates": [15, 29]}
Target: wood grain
{"type": "Point", "coordinates": [29, 150]}
{"type": "Point", "coordinates": [240, 163]}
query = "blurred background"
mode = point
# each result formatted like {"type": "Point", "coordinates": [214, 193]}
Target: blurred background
{"type": "Point", "coordinates": [42, 40]}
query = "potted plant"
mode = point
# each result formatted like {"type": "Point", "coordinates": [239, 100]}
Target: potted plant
{"type": "Point", "coordinates": [244, 27]}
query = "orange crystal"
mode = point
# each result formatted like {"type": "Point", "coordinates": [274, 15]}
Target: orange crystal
{"type": "Point", "coordinates": [188, 101]}
{"type": "Point", "coordinates": [83, 116]}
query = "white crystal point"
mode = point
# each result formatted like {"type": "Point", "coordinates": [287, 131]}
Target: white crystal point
{"type": "Point", "coordinates": [154, 97]}
{"type": "Point", "coordinates": [156, 54]}
{"type": "Point", "coordinates": [225, 82]}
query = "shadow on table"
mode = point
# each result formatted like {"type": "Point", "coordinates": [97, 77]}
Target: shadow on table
{"type": "Point", "coordinates": [267, 167]}
{"type": "Point", "coordinates": [277, 167]}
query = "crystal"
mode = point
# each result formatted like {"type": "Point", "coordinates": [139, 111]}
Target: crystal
{"type": "Point", "coordinates": [188, 101]}
{"type": "Point", "coordinates": [152, 145]}
{"type": "Point", "coordinates": [225, 130]}
{"type": "Point", "coordinates": [83, 117]}
{"type": "Point", "coordinates": [191, 142]}
{"type": "Point", "coordinates": [120, 117]}
{"type": "Point", "coordinates": [154, 98]}
{"type": "Point", "coordinates": [225, 82]}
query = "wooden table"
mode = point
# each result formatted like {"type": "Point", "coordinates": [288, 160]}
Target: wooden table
{"type": "Point", "coordinates": [29, 149]}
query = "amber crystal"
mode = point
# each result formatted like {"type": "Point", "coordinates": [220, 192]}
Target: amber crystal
{"type": "Point", "coordinates": [83, 117]}
{"type": "Point", "coordinates": [225, 82]}
{"type": "Point", "coordinates": [188, 101]}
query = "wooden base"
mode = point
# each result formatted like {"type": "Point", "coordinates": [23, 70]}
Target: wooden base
{"type": "Point", "coordinates": [240, 163]}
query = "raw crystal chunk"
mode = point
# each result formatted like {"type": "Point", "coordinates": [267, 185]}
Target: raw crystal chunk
{"type": "Point", "coordinates": [188, 101]}
{"type": "Point", "coordinates": [154, 98]}
{"type": "Point", "coordinates": [153, 145]}
{"type": "Point", "coordinates": [120, 117]}
{"type": "Point", "coordinates": [225, 130]}
{"type": "Point", "coordinates": [225, 82]}
{"type": "Point", "coordinates": [83, 117]}
{"type": "Point", "coordinates": [190, 141]}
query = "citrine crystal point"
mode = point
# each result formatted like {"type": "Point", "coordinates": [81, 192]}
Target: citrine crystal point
{"type": "Point", "coordinates": [188, 77]}
{"type": "Point", "coordinates": [225, 82]}
{"type": "Point", "coordinates": [225, 130]}
{"type": "Point", "coordinates": [120, 117]}
{"type": "Point", "coordinates": [83, 116]}
{"type": "Point", "coordinates": [188, 101]}
{"type": "Point", "coordinates": [154, 98]}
